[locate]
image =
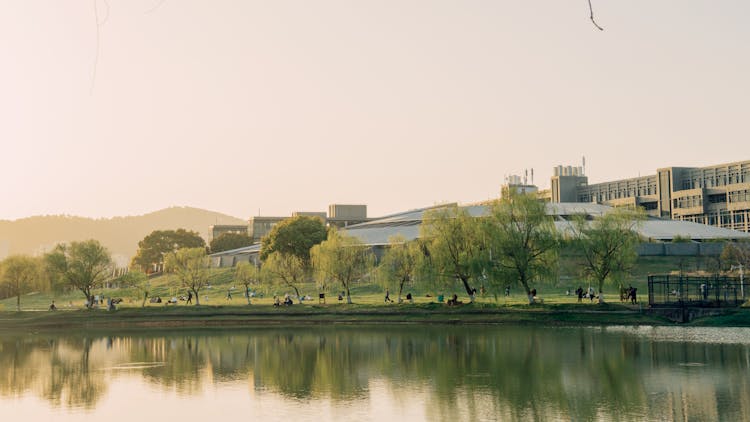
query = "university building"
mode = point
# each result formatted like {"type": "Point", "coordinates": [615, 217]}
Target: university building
{"type": "Point", "coordinates": [717, 195]}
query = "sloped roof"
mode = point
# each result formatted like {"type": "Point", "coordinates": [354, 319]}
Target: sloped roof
{"type": "Point", "coordinates": [376, 232]}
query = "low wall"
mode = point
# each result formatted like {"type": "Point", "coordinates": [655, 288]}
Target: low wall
{"type": "Point", "coordinates": [681, 249]}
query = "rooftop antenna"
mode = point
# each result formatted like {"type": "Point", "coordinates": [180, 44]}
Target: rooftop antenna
{"type": "Point", "coordinates": [532, 175]}
{"type": "Point", "coordinates": [583, 160]}
{"type": "Point", "coordinates": [525, 176]}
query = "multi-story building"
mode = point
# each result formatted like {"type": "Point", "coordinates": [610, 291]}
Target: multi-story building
{"type": "Point", "coordinates": [716, 195]}
{"type": "Point", "coordinates": [217, 230]}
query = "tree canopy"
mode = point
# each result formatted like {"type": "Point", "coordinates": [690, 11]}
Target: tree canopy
{"type": "Point", "coordinates": [153, 248]}
{"type": "Point", "coordinates": [285, 270]}
{"type": "Point", "coordinates": [247, 274]}
{"type": "Point", "coordinates": [294, 236]}
{"type": "Point", "coordinates": [607, 244]}
{"type": "Point", "coordinates": [19, 275]}
{"type": "Point", "coordinates": [454, 245]}
{"type": "Point", "coordinates": [341, 259]}
{"type": "Point", "coordinates": [190, 265]}
{"type": "Point", "coordinates": [82, 265]}
{"type": "Point", "coordinates": [522, 238]}
{"type": "Point", "coordinates": [400, 263]}
{"type": "Point", "coordinates": [229, 241]}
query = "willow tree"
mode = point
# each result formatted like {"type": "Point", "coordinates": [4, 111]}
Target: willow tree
{"type": "Point", "coordinates": [247, 274]}
{"type": "Point", "coordinates": [608, 244]}
{"type": "Point", "coordinates": [82, 265]}
{"type": "Point", "coordinates": [522, 238]}
{"type": "Point", "coordinates": [399, 264]}
{"type": "Point", "coordinates": [190, 265]}
{"type": "Point", "coordinates": [342, 259]}
{"type": "Point", "coordinates": [19, 275]}
{"type": "Point", "coordinates": [286, 270]}
{"type": "Point", "coordinates": [454, 244]}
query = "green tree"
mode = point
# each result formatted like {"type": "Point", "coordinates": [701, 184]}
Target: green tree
{"type": "Point", "coordinates": [608, 244]}
{"type": "Point", "coordinates": [341, 259]}
{"type": "Point", "coordinates": [154, 247]}
{"type": "Point", "coordinates": [139, 281]}
{"type": "Point", "coordinates": [285, 270]}
{"type": "Point", "coordinates": [229, 241]}
{"type": "Point", "coordinates": [522, 238]}
{"type": "Point", "coordinates": [399, 264]}
{"type": "Point", "coordinates": [81, 265]}
{"type": "Point", "coordinates": [454, 245]}
{"type": "Point", "coordinates": [19, 275]}
{"type": "Point", "coordinates": [247, 274]}
{"type": "Point", "coordinates": [294, 236]}
{"type": "Point", "coordinates": [190, 265]}
{"type": "Point", "coordinates": [736, 253]}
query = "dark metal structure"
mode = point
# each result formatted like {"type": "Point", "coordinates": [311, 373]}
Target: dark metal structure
{"type": "Point", "coordinates": [695, 291]}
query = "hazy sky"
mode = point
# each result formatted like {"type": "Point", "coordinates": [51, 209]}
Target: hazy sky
{"type": "Point", "coordinates": [283, 105]}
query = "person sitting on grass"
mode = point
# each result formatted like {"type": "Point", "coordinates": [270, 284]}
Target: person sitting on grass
{"type": "Point", "coordinates": [52, 307]}
{"type": "Point", "coordinates": [454, 301]}
{"type": "Point", "coordinates": [276, 301]}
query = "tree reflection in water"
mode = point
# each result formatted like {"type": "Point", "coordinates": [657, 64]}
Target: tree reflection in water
{"type": "Point", "coordinates": [460, 372]}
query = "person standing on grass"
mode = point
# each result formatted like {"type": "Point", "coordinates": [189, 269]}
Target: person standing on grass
{"type": "Point", "coordinates": [190, 298]}
{"type": "Point", "coordinates": [387, 296]}
{"type": "Point", "coordinates": [229, 294]}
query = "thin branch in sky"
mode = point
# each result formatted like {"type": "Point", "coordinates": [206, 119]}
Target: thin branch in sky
{"type": "Point", "coordinates": [96, 53]}
{"type": "Point", "coordinates": [158, 5]}
{"type": "Point", "coordinates": [591, 9]}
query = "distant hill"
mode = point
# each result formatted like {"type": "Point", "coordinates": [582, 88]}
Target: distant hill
{"type": "Point", "coordinates": [36, 235]}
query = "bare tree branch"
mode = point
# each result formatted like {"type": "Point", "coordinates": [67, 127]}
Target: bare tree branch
{"type": "Point", "coordinates": [591, 9]}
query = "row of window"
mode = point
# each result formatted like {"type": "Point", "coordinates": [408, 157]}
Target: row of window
{"type": "Point", "coordinates": [739, 196]}
{"type": "Point", "coordinates": [688, 201]}
{"type": "Point", "coordinates": [719, 179]}
{"type": "Point", "coordinates": [617, 194]}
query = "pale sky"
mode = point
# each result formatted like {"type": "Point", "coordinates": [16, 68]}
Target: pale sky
{"type": "Point", "coordinates": [285, 105]}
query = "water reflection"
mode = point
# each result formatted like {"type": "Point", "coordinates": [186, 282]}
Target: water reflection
{"type": "Point", "coordinates": [450, 373]}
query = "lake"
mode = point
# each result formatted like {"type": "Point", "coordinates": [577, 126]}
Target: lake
{"type": "Point", "coordinates": [366, 372]}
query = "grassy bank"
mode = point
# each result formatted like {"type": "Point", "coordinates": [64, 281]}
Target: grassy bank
{"type": "Point", "coordinates": [201, 316]}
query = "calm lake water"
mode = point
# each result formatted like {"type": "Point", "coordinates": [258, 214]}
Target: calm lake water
{"type": "Point", "coordinates": [391, 373]}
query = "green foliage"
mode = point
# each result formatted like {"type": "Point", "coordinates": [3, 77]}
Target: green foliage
{"type": "Point", "coordinates": [190, 265]}
{"type": "Point", "coordinates": [399, 264]}
{"type": "Point", "coordinates": [229, 241]}
{"type": "Point", "coordinates": [736, 253]}
{"type": "Point", "coordinates": [284, 270]}
{"type": "Point", "coordinates": [19, 275]}
{"type": "Point", "coordinates": [138, 280]}
{"type": "Point", "coordinates": [608, 244]}
{"type": "Point", "coordinates": [295, 236]}
{"type": "Point", "coordinates": [681, 239]}
{"type": "Point", "coordinates": [153, 248]}
{"type": "Point", "coordinates": [522, 238]}
{"type": "Point", "coordinates": [341, 259]}
{"type": "Point", "coordinates": [454, 246]}
{"type": "Point", "coordinates": [82, 265]}
{"type": "Point", "coordinates": [248, 275]}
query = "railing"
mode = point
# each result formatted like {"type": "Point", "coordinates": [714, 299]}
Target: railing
{"type": "Point", "coordinates": [695, 291]}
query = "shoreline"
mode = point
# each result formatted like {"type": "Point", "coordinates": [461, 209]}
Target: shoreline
{"type": "Point", "coordinates": [262, 315]}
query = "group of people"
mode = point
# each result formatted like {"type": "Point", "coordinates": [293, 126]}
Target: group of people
{"type": "Point", "coordinates": [287, 301]}
{"type": "Point", "coordinates": [588, 294]}
{"type": "Point", "coordinates": [388, 299]}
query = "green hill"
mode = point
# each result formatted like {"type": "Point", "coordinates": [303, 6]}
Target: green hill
{"type": "Point", "coordinates": [35, 235]}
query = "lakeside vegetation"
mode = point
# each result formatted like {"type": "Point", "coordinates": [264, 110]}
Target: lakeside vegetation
{"type": "Point", "coordinates": [509, 262]}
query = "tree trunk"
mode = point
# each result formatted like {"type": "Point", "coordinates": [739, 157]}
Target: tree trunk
{"type": "Point", "coordinates": [18, 302]}
{"type": "Point", "coordinates": [296, 290]}
{"type": "Point", "coordinates": [601, 296]}
{"type": "Point", "coordinates": [348, 296]}
{"type": "Point", "coordinates": [468, 288]}
{"type": "Point", "coordinates": [145, 297]}
{"type": "Point", "coordinates": [247, 294]}
{"type": "Point", "coordinates": [197, 298]}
